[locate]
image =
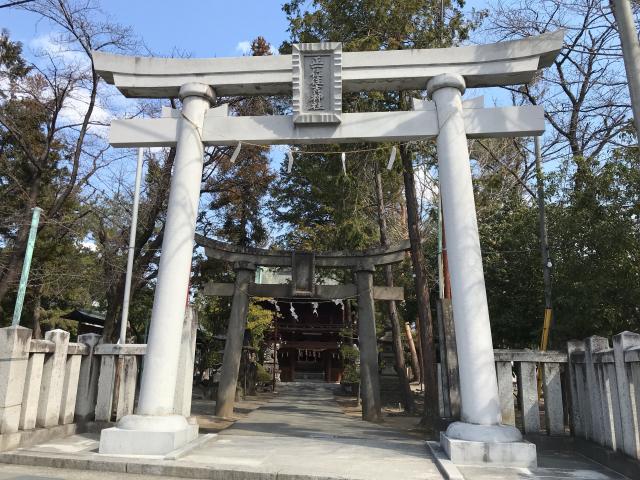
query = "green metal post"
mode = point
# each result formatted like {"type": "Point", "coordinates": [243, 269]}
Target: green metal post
{"type": "Point", "coordinates": [24, 278]}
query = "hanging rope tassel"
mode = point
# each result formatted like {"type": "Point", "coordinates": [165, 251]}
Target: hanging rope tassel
{"type": "Point", "coordinates": [236, 152]}
{"type": "Point", "coordinates": [290, 165]}
{"type": "Point", "coordinates": [344, 162]}
{"type": "Point", "coordinates": [392, 158]}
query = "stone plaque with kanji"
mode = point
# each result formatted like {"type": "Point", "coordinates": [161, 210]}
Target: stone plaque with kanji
{"type": "Point", "coordinates": [317, 83]}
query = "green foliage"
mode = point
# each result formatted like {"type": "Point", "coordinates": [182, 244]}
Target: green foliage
{"type": "Point", "coordinates": [592, 216]}
{"type": "Point", "coordinates": [262, 376]}
{"type": "Point", "coordinates": [259, 320]}
{"type": "Point", "coordinates": [350, 358]}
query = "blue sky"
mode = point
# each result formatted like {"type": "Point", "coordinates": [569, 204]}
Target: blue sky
{"type": "Point", "coordinates": [198, 27]}
{"type": "Point", "coordinates": [202, 28]}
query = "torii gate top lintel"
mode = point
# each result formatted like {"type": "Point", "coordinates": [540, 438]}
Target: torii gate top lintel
{"type": "Point", "coordinates": [503, 63]}
{"type": "Point", "coordinates": [283, 258]}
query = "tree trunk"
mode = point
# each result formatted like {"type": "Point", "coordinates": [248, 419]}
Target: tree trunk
{"type": "Point", "coordinates": [422, 292]}
{"type": "Point", "coordinates": [398, 350]}
{"type": "Point", "coordinates": [37, 312]}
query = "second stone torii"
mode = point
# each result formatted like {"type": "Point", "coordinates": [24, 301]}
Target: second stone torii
{"type": "Point", "coordinates": [303, 265]}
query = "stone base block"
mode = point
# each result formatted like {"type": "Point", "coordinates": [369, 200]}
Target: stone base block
{"type": "Point", "coordinates": [141, 438]}
{"type": "Point", "coordinates": [508, 454]}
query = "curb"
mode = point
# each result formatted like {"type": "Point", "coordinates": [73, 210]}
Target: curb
{"type": "Point", "coordinates": [446, 466]}
{"type": "Point", "coordinates": [132, 465]}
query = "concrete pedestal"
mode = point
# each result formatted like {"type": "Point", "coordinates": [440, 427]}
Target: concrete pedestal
{"type": "Point", "coordinates": [471, 444]}
{"type": "Point", "coordinates": [147, 435]}
{"type": "Point", "coordinates": [506, 454]}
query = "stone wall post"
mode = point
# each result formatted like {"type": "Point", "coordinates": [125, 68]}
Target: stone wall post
{"type": "Point", "coordinates": [70, 389]}
{"type": "Point", "coordinates": [235, 339]}
{"type": "Point", "coordinates": [53, 374]}
{"type": "Point", "coordinates": [184, 382]}
{"type": "Point", "coordinates": [31, 393]}
{"type": "Point", "coordinates": [368, 344]}
{"type": "Point", "coordinates": [88, 380]}
{"type": "Point", "coordinates": [594, 399]}
{"type": "Point", "coordinates": [579, 422]}
{"type": "Point", "coordinates": [629, 418]}
{"type": "Point", "coordinates": [554, 411]}
{"type": "Point", "coordinates": [528, 393]}
{"type": "Point", "coordinates": [14, 356]}
{"type": "Point", "coordinates": [505, 388]}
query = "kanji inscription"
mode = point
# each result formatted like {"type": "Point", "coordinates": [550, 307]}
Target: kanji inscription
{"type": "Point", "coordinates": [317, 83]}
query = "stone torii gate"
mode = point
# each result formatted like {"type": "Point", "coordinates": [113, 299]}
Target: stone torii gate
{"type": "Point", "coordinates": [316, 75]}
{"type": "Point", "coordinates": [303, 266]}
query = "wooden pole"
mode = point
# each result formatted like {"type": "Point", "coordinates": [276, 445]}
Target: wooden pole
{"type": "Point", "coordinates": [415, 363]}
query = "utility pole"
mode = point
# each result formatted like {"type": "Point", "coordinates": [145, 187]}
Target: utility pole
{"type": "Point", "coordinates": [275, 349]}
{"type": "Point", "coordinates": [132, 246]}
{"type": "Point", "coordinates": [544, 248]}
{"type": "Point", "coordinates": [26, 265]}
{"type": "Point", "coordinates": [630, 53]}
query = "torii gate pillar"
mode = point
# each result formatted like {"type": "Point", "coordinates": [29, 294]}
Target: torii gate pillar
{"type": "Point", "coordinates": [155, 430]}
{"type": "Point", "coordinates": [480, 412]}
{"type": "Point", "coordinates": [235, 336]}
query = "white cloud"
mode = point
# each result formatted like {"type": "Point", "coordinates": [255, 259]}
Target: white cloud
{"type": "Point", "coordinates": [243, 47]}
{"type": "Point", "coordinates": [50, 44]}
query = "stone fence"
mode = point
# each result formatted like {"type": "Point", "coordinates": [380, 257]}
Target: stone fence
{"type": "Point", "coordinates": [592, 391]}
{"type": "Point", "coordinates": [54, 387]}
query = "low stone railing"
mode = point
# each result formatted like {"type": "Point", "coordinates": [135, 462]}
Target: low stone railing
{"type": "Point", "coordinates": [527, 364]}
{"type": "Point", "coordinates": [592, 391]}
{"type": "Point", "coordinates": [118, 379]}
{"type": "Point", "coordinates": [43, 383]}
{"type": "Point", "coordinates": [605, 386]}
{"type": "Point", "coordinates": [50, 387]}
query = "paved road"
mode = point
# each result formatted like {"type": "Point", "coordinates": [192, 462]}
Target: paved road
{"type": "Point", "coordinates": [304, 430]}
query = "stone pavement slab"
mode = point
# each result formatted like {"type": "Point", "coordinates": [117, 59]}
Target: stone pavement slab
{"type": "Point", "coordinates": [551, 465]}
{"type": "Point", "coordinates": [304, 430]}
{"type": "Point", "coordinates": [301, 434]}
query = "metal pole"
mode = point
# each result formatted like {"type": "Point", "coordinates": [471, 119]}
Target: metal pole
{"type": "Point", "coordinates": [132, 245]}
{"type": "Point", "coordinates": [26, 265]}
{"type": "Point", "coordinates": [630, 52]}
